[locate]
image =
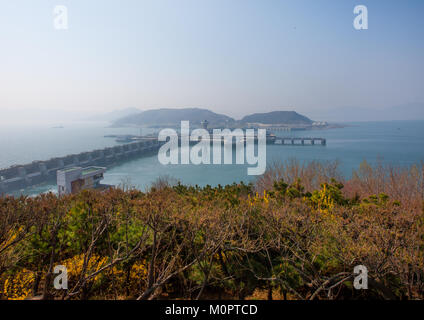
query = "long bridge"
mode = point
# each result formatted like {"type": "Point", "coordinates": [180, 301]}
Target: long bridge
{"type": "Point", "coordinates": [22, 176]}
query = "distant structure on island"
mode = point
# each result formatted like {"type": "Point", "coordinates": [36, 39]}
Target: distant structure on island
{"type": "Point", "coordinates": [75, 179]}
{"type": "Point", "coordinates": [204, 124]}
{"type": "Point", "coordinates": [320, 123]}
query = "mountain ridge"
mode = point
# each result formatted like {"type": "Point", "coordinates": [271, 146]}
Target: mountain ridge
{"type": "Point", "coordinates": [171, 116]}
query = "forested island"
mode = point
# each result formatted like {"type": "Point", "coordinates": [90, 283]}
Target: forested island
{"type": "Point", "coordinates": [168, 117]}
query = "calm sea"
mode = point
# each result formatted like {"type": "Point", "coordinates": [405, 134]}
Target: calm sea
{"type": "Point", "coordinates": [396, 142]}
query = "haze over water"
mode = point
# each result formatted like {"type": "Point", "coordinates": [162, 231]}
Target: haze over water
{"type": "Point", "coordinates": [233, 57]}
{"type": "Point", "coordinates": [398, 143]}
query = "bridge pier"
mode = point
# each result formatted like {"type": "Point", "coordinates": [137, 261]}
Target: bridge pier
{"type": "Point", "coordinates": [301, 141]}
{"type": "Point", "coordinates": [43, 169]}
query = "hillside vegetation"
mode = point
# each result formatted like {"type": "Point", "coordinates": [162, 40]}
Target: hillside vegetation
{"type": "Point", "coordinates": [172, 117]}
{"type": "Point", "coordinates": [277, 117]}
{"type": "Point", "coordinates": [297, 233]}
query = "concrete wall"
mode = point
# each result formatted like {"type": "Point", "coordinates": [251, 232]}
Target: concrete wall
{"type": "Point", "coordinates": [22, 176]}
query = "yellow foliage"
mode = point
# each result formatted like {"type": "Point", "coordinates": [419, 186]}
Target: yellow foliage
{"type": "Point", "coordinates": [137, 273]}
{"type": "Point", "coordinates": [325, 202]}
{"type": "Point", "coordinates": [10, 237]}
{"type": "Point", "coordinates": [19, 286]}
{"type": "Point", "coordinates": [258, 199]}
{"type": "Point", "coordinates": [75, 264]}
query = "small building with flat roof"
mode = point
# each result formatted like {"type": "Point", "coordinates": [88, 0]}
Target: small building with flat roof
{"type": "Point", "coordinates": [75, 179]}
{"type": "Point", "coordinates": [204, 124]}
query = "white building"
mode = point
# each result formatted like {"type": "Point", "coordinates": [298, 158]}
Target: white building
{"type": "Point", "coordinates": [320, 123]}
{"type": "Point", "coordinates": [75, 179]}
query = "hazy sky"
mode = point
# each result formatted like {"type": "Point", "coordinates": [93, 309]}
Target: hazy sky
{"type": "Point", "coordinates": [231, 56]}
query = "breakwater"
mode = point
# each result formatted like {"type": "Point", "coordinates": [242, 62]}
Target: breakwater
{"type": "Point", "coordinates": [22, 176]}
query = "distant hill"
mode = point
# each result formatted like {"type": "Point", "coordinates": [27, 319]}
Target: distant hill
{"type": "Point", "coordinates": [277, 117]}
{"type": "Point", "coordinates": [114, 115]}
{"type": "Point", "coordinates": [171, 117]}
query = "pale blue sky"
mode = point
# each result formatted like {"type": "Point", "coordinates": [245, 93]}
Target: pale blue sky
{"type": "Point", "coordinates": [231, 56]}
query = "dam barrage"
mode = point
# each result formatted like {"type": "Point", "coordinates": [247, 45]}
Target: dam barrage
{"type": "Point", "coordinates": [22, 176]}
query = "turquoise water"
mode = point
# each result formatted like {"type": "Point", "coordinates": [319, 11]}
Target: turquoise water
{"type": "Point", "coordinates": [399, 143]}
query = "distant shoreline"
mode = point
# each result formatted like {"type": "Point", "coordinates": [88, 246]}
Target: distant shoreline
{"type": "Point", "coordinates": [292, 127]}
